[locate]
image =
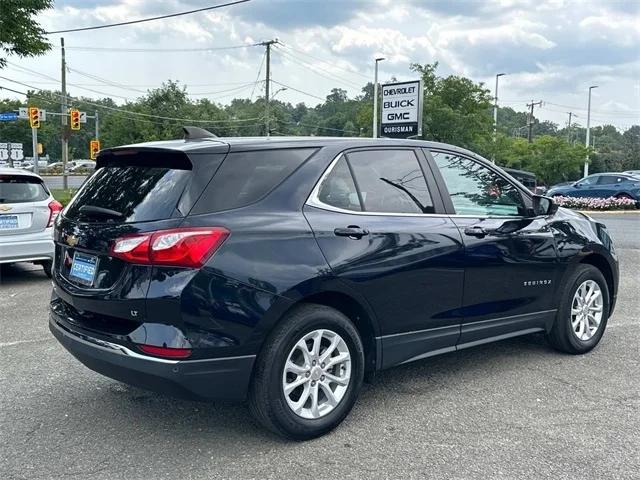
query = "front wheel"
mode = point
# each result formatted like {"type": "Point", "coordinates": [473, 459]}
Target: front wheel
{"type": "Point", "coordinates": [583, 313]}
{"type": "Point", "coordinates": [308, 374]}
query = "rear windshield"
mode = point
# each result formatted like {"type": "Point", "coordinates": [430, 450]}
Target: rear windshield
{"type": "Point", "coordinates": [21, 189]}
{"type": "Point", "coordinates": [135, 193]}
{"type": "Point", "coordinates": [246, 177]}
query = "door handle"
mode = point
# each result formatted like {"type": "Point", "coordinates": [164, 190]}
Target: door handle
{"type": "Point", "coordinates": [478, 232]}
{"type": "Point", "coordinates": [352, 231]}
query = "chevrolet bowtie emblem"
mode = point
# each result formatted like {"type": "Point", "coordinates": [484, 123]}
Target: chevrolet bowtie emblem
{"type": "Point", "coordinates": [4, 208]}
{"type": "Point", "coordinates": [72, 240]}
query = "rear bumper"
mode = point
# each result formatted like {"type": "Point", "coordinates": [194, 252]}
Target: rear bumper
{"type": "Point", "coordinates": [27, 247]}
{"type": "Point", "coordinates": [219, 378]}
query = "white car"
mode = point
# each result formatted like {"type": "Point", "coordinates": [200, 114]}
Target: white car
{"type": "Point", "coordinates": [27, 213]}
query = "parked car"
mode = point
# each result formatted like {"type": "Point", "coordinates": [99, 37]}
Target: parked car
{"type": "Point", "coordinates": [283, 270]}
{"type": "Point", "coordinates": [27, 212]}
{"type": "Point", "coordinates": [600, 185]}
{"type": "Point", "coordinates": [83, 166]}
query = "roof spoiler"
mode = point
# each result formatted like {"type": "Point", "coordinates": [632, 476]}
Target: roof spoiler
{"type": "Point", "coordinates": [194, 133]}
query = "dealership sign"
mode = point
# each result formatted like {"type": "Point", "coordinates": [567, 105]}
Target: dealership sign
{"type": "Point", "coordinates": [401, 109]}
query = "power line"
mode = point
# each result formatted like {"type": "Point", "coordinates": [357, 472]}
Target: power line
{"type": "Point", "coordinates": [325, 61]}
{"type": "Point", "coordinates": [124, 87]}
{"type": "Point", "coordinates": [147, 115]}
{"type": "Point", "coordinates": [299, 91]}
{"type": "Point", "coordinates": [264, 55]}
{"type": "Point", "coordinates": [131, 22]}
{"type": "Point", "coordinates": [159, 50]}
{"type": "Point", "coordinates": [315, 69]}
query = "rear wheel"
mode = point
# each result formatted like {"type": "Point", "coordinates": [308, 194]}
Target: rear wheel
{"type": "Point", "coordinates": [309, 373]}
{"type": "Point", "coordinates": [583, 313]}
{"type": "Point", "coordinates": [624, 195]}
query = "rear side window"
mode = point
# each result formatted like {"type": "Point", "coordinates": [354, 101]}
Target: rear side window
{"type": "Point", "coordinates": [390, 181]}
{"type": "Point", "coordinates": [338, 190]}
{"type": "Point", "coordinates": [21, 189]}
{"type": "Point", "coordinates": [610, 180]}
{"type": "Point", "coordinates": [246, 177]}
{"type": "Point", "coordinates": [137, 193]}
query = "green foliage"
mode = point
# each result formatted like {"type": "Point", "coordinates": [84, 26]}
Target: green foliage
{"type": "Point", "coordinates": [20, 34]}
{"type": "Point", "coordinates": [456, 109]}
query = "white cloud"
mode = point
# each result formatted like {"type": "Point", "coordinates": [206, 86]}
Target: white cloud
{"type": "Point", "coordinates": [551, 49]}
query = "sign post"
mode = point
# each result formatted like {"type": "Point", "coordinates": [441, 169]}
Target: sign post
{"type": "Point", "coordinates": [402, 109]}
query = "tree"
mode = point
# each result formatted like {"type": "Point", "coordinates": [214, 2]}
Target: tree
{"type": "Point", "coordinates": [20, 34]}
{"type": "Point", "coordinates": [456, 109]}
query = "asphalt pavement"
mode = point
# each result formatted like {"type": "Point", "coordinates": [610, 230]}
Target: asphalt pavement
{"type": "Point", "coordinates": [510, 410]}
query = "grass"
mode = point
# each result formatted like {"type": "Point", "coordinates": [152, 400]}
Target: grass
{"type": "Point", "coordinates": [63, 196]}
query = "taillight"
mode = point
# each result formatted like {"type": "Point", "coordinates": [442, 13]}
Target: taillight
{"type": "Point", "coordinates": [179, 247]}
{"type": "Point", "coordinates": [166, 352]}
{"type": "Point", "coordinates": [55, 207]}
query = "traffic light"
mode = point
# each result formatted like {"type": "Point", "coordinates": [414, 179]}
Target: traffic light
{"type": "Point", "coordinates": [34, 117]}
{"type": "Point", "coordinates": [94, 148]}
{"type": "Point", "coordinates": [75, 119]}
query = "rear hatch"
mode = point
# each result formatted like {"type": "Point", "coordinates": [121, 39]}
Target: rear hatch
{"type": "Point", "coordinates": [132, 192]}
{"type": "Point", "coordinates": [24, 205]}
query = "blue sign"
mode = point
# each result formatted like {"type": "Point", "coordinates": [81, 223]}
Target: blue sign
{"type": "Point", "coordinates": [8, 116]}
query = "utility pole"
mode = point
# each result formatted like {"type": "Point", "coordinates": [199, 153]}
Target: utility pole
{"type": "Point", "coordinates": [267, 84]}
{"type": "Point", "coordinates": [495, 114]}
{"type": "Point", "coordinates": [375, 99]}
{"type": "Point", "coordinates": [586, 160]}
{"type": "Point", "coordinates": [34, 143]}
{"type": "Point", "coordinates": [97, 126]}
{"type": "Point", "coordinates": [531, 105]}
{"type": "Point", "coordinates": [569, 128]}
{"type": "Point", "coordinates": [63, 111]}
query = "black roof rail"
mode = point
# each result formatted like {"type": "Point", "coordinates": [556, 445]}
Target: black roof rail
{"type": "Point", "coordinates": [194, 133]}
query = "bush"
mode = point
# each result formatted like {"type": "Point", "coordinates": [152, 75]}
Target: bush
{"type": "Point", "coordinates": [586, 203]}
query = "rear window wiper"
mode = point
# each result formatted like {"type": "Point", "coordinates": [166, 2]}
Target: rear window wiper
{"type": "Point", "coordinates": [93, 210]}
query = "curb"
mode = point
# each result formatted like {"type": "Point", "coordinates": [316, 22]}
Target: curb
{"type": "Point", "coordinates": [610, 212]}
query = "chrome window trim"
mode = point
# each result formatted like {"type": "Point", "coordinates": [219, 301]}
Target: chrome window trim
{"type": "Point", "coordinates": [314, 201]}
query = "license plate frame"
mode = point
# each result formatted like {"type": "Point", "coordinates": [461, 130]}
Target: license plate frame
{"type": "Point", "coordinates": [84, 268]}
{"type": "Point", "coordinates": [11, 220]}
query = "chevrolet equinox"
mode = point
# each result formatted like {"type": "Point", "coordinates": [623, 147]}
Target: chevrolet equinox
{"type": "Point", "coordinates": [283, 271]}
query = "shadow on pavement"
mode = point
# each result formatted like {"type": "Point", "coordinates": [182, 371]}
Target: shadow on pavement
{"type": "Point", "coordinates": [21, 274]}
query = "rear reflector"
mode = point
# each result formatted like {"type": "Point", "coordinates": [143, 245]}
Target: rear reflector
{"type": "Point", "coordinates": [178, 247]}
{"type": "Point", "coordinates": [166, 352]}
{"type": "Point", "coordinates": [55, 207]}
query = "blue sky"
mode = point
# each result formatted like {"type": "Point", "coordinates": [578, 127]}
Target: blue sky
{"type": "Point", "coordinates": [551, 50]}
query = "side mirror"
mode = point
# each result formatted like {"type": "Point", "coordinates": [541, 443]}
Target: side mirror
{"type": "Point", "coordinates": [543, 205]}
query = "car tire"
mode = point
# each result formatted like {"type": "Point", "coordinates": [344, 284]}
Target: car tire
{"type": "Point", "coordinates": [267, 399]}
{"type": "Point", "coordinates": [569, 334]}
{"type": "Point", "coordinates": [47, 266]}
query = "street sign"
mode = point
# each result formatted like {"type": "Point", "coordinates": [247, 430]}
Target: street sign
{"type": "Point", "coordinates": [402, 109]}
{"type": "Point", "coordinates": [83, 117]}
{"type": "Point", "coordinates": [8, 116]}
{"type": "Point", "coordinates": [11, 151]}
{"type": "Point", "coordinates": [23, 113]}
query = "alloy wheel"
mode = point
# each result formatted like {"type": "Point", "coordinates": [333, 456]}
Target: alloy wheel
{"type": "Point", "coordinates": [586, 310]}
{"type": "Point", "coordinates": [316, 374]}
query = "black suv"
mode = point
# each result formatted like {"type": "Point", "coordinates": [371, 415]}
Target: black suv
{"type": "Point", "coordinates": [285, 270]}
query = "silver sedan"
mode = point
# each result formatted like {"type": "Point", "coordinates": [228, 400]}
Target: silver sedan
{"type": "Point", "coordinates": [27, 213]}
